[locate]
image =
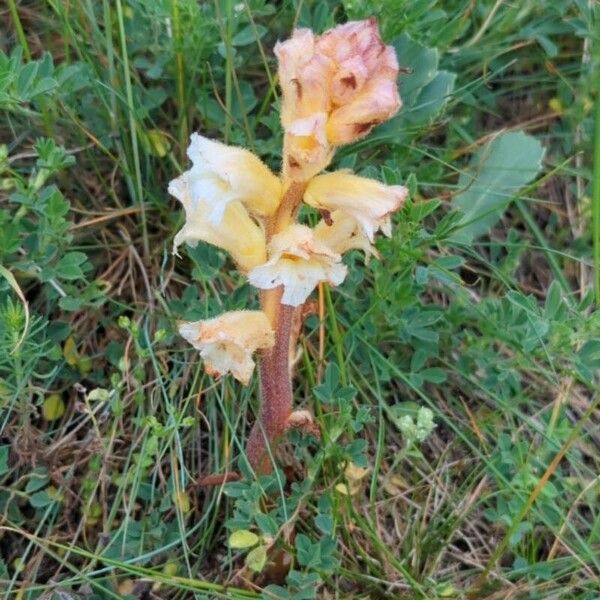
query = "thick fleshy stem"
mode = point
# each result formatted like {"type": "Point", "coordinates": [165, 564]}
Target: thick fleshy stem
{"type": "Point", "coordinates": [276, 392]}
{"type": "Point", "coordinates": [275, 376]}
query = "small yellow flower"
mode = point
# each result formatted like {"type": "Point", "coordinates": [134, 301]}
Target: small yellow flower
{"type": "Point", "coordinates": [368, 201]}
{"type": "Point", "coordinates": [298, 262]}
{"type": "Point", "coordinates": [227, 342]}
{"type": "Point", "coordinates": [306, 149]}
{"type": "Point", "coordinates": [223, 174]}
{"type": "Point", "coordinates": [236, 233]}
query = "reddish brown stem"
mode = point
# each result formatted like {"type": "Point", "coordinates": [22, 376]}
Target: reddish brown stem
{"type": "Point", "coordinates": [276, 391]}
{"type": "Point", "coordinates": [275, 378]}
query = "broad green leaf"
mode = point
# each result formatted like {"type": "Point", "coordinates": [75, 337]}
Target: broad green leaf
{"type": "Point", "coordinates": [248, 34]}
{"type": "Point", "coordinates": [496, 174]}
{"type": "Point", "coordinates": [432, 97]}
{"type": "Point", "coordinates": [424, 90]}
{"type": "Point", "coordinates": [422, 62]}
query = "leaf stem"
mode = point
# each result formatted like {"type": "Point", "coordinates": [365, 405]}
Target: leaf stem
{"type": "Point", "coordinates": [137, 188]}
{"type": "Point", "coordinates": [596, 200]}
{"type": "Point", "coordinates": [19, 29]}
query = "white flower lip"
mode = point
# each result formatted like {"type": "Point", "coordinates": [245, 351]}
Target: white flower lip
{"type": "Point", "coordinates": [341, 232]}
{"type": "Point", "coordinates": [298, 262]}
{"type": "Point", "coordinates": [227, 342]}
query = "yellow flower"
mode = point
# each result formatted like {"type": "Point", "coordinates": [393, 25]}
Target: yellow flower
{"type": "Point", "coordinates": [298, 262]}
{"type": "Point", "coordinates": [305, 147]}
{"type": "Point", "coordinates": [368, 201]}
{"type": "Point", "coordinates": [342, 233]}
{"type": "Point", "coordinates": [236, 233]}
{"type": "Point", "coordinates": [223, 174]}
{"type": "Point", "coordinates": [227, 342]}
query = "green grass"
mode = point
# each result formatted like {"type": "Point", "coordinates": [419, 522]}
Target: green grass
{"type": "Point", "coordinates": [496, 332]}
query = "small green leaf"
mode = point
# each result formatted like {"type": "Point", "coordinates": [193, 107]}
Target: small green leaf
{"type": "Point", "coordinates": [267, 524]}
{"type": "Point", "coordinates": [433, 375]}
{"type": "Point", "coordinates": [38, 480]}
{"type": "Point", "coordinates": [324, 523]}
{"type": "Point", "coordinates": [553, 300]}
{"type": "Point", "coordinates": [44, 85]}
{"type": "Point", "coordinates": [157, 142]}
{"type": "Point", "coordinates": [4, 468]}
{"type": "Point", "coordinates": [53, 407]}
{"type": "Point", "coordinates": [256, 559]}
{"type": "Point", "coordinates": [40, 499]}
{"type": "Point", "coordinates": [69, 266]}
{"type": "Point", "coordinates": [25, 79]}
{"type": "Point", "coordinates": [243, 539]}
{"type": "Point", "coordinates": [70, 352]}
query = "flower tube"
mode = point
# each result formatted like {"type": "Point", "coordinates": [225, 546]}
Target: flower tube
{"type": "Point", "coordinates": [224, 174]}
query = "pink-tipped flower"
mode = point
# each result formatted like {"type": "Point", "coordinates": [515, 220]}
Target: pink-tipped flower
{"type": "Point", "coordinates": [347, 74]}
{"type": "Point", "coordinates": [364, 92]}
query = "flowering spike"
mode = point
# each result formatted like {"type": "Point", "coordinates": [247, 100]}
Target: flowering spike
{"type": "Point", "coordinates": [335, 88]}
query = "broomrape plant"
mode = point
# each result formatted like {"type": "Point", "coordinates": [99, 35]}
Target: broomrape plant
{"type": "Point", "coordinates": [335, 88]}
